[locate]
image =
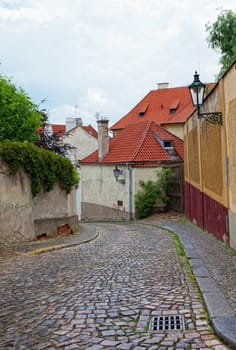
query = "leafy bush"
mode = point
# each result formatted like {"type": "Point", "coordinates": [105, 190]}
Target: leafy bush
{"type": "Point", "coordinates": [44, 167]}
{"type": "Point", "coordinates": [145, 198]}
{"type": "Point", "coordinates": [151, 191]}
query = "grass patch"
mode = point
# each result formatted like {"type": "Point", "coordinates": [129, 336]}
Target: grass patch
{"type": "Point", "coordinates": [76, 229]}
{"type": "Point", "coordinates": [184, 219]}
{"type": "Point", "coordinates": [178, 245]}
{"type": "Point", "coordinates": [199, 229]}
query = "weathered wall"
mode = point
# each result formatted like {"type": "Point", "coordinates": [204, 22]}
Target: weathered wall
{"type": "Point", "coordinates": [230, 164]}
{"type": "Point", "coordinates": [83, 142]}
{"type": "Point", "coordinates": [99, 189]}
{"type": "Point", "coordinates": [105, 198]}
{"type": "Point", "coordinates": [16, 217]}
{"type": "Point", "coordinates": [54, 209]}
{"type": "Point", "coordinates": [23, 217]}
{"type": "Point", "coordinates": [210, 163]}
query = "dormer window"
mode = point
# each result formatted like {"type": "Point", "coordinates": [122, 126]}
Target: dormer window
{"type": "Point", "coordinates": [172, 110]}
{"type": "Point", "coordinates": [168, 144]}
{"type": "Point", "coordinates": [173, 107]}
{"type": "Point", "coordinates": [143, 110]}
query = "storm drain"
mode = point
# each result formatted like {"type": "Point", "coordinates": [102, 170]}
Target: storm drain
{"type": "Point", "coordinates": [167, 323]}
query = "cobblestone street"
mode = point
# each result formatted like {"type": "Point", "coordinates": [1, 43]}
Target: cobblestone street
{"type": "Point", "coordinates": [103, 295]}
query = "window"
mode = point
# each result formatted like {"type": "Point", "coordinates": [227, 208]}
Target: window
{"type": "Point", "coordinates": [172, 110]}
{"type": "Point", "coordinates": [173, 107]}
{"type": "Point", "coordinates": [168, 144]}
{"type": "Point", "coordinates": [143, 110]}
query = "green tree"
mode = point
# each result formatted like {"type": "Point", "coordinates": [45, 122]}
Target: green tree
{"type": "Point", "coordinates": [19, 116]}
{"type": "Point", "coordinates": [222, 38]}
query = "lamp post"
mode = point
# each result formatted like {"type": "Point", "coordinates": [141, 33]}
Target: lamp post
{"type": "Point", "coordinates": [197, 90]}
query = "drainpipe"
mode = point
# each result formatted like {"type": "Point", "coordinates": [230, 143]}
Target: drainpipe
{"type": "Point", "coordinates": [130, 191]}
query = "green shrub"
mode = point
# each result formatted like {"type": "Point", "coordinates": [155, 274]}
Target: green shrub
{"type": "Point", "coordinates": [145, 198]}
{"type": "Point", "coordinates": [45, 168]}
{"type": "Point", "coordinates": [151, 191]}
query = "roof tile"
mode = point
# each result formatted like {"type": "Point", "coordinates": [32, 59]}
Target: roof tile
{"type": "Point", "coordinates": [139, 143]}
{"type": "Point", "coordinates": [159, 103]}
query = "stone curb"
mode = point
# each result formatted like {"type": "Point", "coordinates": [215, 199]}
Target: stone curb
{"type": "Point", "coordinates": [60, 246]}
{"type": "Point", "coordinates": [221, 314]}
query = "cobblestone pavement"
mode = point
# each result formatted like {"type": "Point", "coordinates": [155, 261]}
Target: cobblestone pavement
{"type": "Point", "coordinates": [218, 258]}
{"type": "Point", "coordinates": [103, 295]}
{"type": "Point", "coordinates": [86, 233]}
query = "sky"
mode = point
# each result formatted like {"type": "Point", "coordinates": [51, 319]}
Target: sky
{"type": "Point", "coordinates": [103, 56]}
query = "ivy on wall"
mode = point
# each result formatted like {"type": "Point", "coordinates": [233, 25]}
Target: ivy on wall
{"type": "Point", "coordinates": [45, 168]}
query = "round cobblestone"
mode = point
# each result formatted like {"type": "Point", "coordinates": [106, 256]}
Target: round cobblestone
{"type": "Point", "coordinates": [102, 295]}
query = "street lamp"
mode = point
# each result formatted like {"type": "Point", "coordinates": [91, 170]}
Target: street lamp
{"type": "Point", "coordinates": [197, 90]}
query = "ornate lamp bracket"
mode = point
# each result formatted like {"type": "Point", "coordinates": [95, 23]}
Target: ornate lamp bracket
{"type": "Point", "coordinates": [212, 117]}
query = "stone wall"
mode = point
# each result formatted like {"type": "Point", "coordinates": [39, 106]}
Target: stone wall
{"type": "Point", "coordinates": [23, 217]}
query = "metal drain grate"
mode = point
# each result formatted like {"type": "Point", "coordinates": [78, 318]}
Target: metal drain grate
{"type": "Point", "coordinates": [167, 323]}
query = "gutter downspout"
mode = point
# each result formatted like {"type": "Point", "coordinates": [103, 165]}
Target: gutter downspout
{"type": "Point", "coordinates": [130, 191]}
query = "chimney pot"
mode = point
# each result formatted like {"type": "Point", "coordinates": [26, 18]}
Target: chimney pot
{"type": "Point", "coordinates": [161, 86]}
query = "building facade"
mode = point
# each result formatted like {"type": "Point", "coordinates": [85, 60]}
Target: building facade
{"type": "Point", "coordinates": [210, 163]}
{"type": "Point", "coordinates": [135, 153]}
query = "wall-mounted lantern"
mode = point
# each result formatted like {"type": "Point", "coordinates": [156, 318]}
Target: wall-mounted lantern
{"type": "Point", "coordinates": [117, 172]}
{"type": "Point", "coordinates": [119, 175]}
{"type": "Point", "coordinates": [197, 90]}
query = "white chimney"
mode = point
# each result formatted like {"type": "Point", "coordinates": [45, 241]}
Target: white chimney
{"type": "Point", "coordinates": [161, 86]}
{"type": "Point", "coordinates": [70, 123]}
{"type": "Point", "coordinates": [103, 138]}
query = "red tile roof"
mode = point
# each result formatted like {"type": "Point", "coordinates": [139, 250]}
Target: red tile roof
{"type": "Point", "coordinates": [58, 129]}
{"type": "Point", "coordinates": [140, 143]}
{"type": "Point", "coordinates": [90, 130]}
{"type": "Point", "coordinates": [157, 105]}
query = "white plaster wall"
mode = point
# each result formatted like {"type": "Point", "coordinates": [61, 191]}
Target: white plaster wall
{"type": "Point", "coordinates": [144, 174]}
{"type": "Point", "coordinates": [84, 142]}
{"type": "Point", "coordinates": [100, 187]}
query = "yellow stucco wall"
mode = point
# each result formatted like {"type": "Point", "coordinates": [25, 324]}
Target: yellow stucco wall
{"type": "Point", "coordinates": [206, 151]}
{"type": "Point", "coordinates": [230, 107]}
{"type": "Point", "coordinates": [192, 165]}
{"type": "Point", "coordinates": [176, 129]}
{"type": "Point", "coordinates": [210, 150]}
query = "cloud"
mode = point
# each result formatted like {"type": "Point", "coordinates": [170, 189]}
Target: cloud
{"type": "Point", "coordinates": [104, 55]}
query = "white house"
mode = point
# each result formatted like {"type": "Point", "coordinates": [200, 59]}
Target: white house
{"type": "Point", "coordinates": [133, 154]}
